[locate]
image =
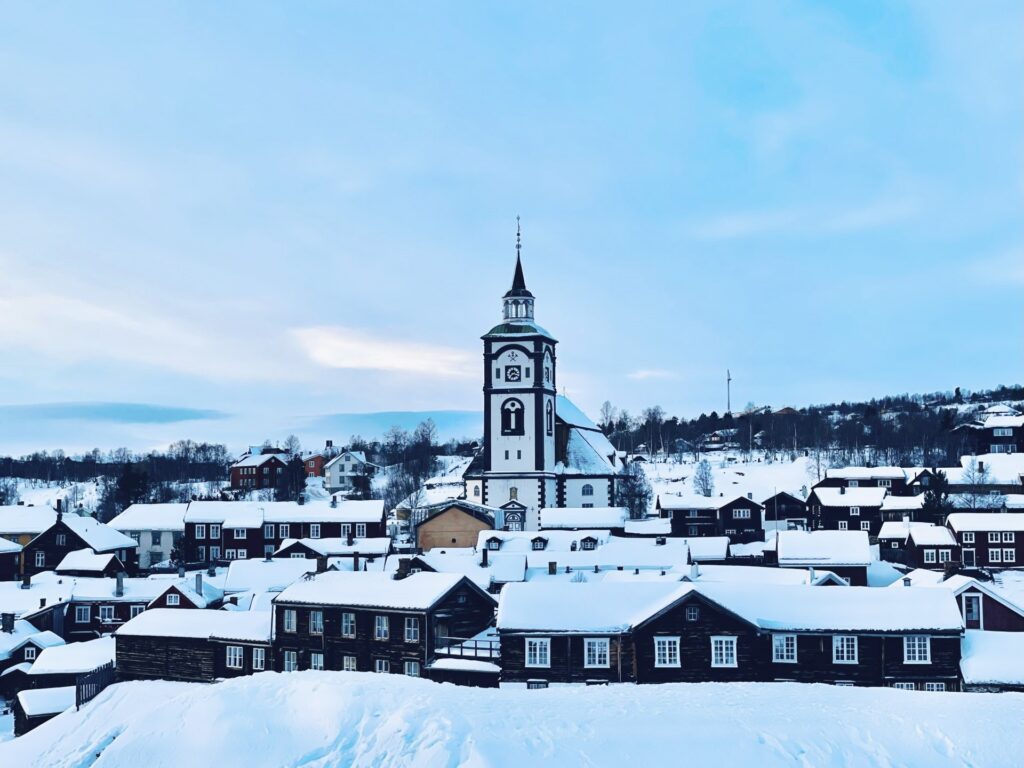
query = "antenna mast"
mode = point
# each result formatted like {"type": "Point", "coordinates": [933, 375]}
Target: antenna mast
{"type": "Point", "coordinates": [728, 392]}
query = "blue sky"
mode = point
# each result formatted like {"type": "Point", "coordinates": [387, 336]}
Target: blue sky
{"type": "Point", "coordinates": [252, 216]}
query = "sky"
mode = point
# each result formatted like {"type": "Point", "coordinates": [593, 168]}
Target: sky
{"type": "Point", "coordinates": [232, 221]}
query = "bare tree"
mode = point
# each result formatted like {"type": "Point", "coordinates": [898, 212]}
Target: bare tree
{"type": "Point", "coordinates": [976, 477]}
{"type": "Point", "coordinates": [293, 446]}
{"type": "Point", "coordinates": [633, 491]}
{"type": "Point", "coordinates": [703, 479]}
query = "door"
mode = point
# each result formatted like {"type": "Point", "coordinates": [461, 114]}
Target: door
{"type": "Point", "coordinates": [969, 558]}
{"type": "Point", "coordinates": [972, 611]}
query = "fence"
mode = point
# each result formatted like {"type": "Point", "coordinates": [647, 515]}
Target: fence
{"type": "Point", "coordinates": [88, 685]}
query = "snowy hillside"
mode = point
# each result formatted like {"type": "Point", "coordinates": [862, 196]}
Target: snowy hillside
{"type": "Point", "coordinates": [734, 477]}
{"type": "Point", "coordinates": [320, 719]}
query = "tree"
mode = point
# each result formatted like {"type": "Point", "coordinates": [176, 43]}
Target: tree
{"type": "Point", "coordinates": [633, 491]}
{"type": "Point", "coordinates": [936, 501]}
{"type": "Point", "coordinates": [703, 479]}
{"type": "Point", "coordinates": [653, 417]}
{"type": "Point", "coordinates": [293, 446]}
{"type": "Point", "coordinates": [8, 491]}
{"type": "Point", "coordinates": [607, 417]}
{"type": "Point", "coordinates": [976, 477]}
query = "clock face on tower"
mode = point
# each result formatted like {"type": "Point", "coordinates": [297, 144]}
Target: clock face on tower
{"type": "Point", "coordinates": [513, 373]}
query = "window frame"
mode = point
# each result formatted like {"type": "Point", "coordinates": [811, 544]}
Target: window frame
{"type": "Point", "coordinates": [316, 621]}
{"type": "Point", "coordinates": [782, 658]}
{"type": "Point", "coordinates": [173, 598]}
{"type": "Point", "coordinates": [413, 665]}
{"type": "Point", "coordinates": [314, 530]}
{"type": "Point", "coordinates": [290, 621]}
{"type": "Point", "coordinates": [600, 645]}
{"type": "Point", "coordinates": [316, 661]}
{"type": "Point", "coordinates": [349, 664]}
{"type": "Point", "coordinates": [381, 622]}
{"type": "Point", "coordinates": [968, 537]}
{"type": "Point", "coordinates": [411, 629]}
{"type": "Point", "coordinates": [672, 658]}
{"type": "Point", "coordinates": [200, 531]}
{"type": "Point", "coordinates": [348, 617]}
{"type": "Point", "coordinates": [290, 661]}
{"type": "Point", "coordinates": [259, 659]}
{"type": "Point", "coordinates": [839, 648]}
{"type": "Point", "coordinates": [360, 530]}
{"type": "Point", "coordinates": [726, 647]}
{"type": "Point", "coordinates": [382, 666]}
{"type": "Point", "coordinates": [234, 657]}
{"type": "Point", "coordinates": [539, 649]}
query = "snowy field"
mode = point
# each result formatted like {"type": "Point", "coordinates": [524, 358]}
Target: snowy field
{"type": "Point", "coordinates": [333, 719]}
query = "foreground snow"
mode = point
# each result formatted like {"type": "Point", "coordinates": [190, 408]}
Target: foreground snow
{"type": "Point", "coordinates": [321, 719]}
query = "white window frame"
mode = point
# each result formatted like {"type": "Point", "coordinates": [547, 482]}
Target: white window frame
{"type": "Point", "coordinates": [411, 668]}
{"type": "Point", "coordinates": [259, 659]}
{"type": "Point", "coordinates": [784, 649]}
{"type": "Point", "coordinates": [291, 661]}
{"type": "Point", "coordinates": [841, 649]}
{"type": "Point", "coordinates": [233, 657]}
{"type": "Point", "coordinates": [346, 529]}
{"type": "Point", "coordinates": [995, 555]}
{"type": "Point", "coordinates": [843, 526]}
{"type": "Point", "coordinates": [412, 629]}
{"type": "Point", "coordinates": [40, 559]}
{"type": "Point", "coordinates": [200, 531]}
{"type": "Point", "coordinates": [348, 624]}
{"type": "Point", "coordinates": [723, 651]}
{"type": "Point", "coordinates": [229, 554]}
{"type": "Point", "coordinates": [538, 652]}
{"type": "Point", "coordinates": [912, 652]}
{"type": "Point", "coordinates": [316, 661]}
{"type": "Point", "coordinates": [929, 555]}
{"type": "Point", "coordinates": [741, 514]}
{"type": "Point", "coordinates": [968, 537]}
{"type": "Point", "coordinates": [381, 627]}
{"type": "Point", "coordinates": [692, 613]}
{"type": "Point", "coordinates": [314, 530]}
{"type": "Point", "coordinates": [854, 511]}
{"type": "Point", "coordinates": [348, 664]}
{"type": "Point", "coordinates": [214, 530]}
{"type": "Point", "coordinates": [284, 530]}
{"type": "Point", "coordinates": [993, 537]}
{"type": "Point", "coordinates": [239, 533]}
{"type": "Point", "coordinates": [381, 665]}
{"type": "Point", "coordinates": [1008, 537]}
{"type": "Point", "coordinates": [106, 613]}
{"type": "Point", "coordinates": [135, 610]}
{"type": "Point", "coordinates": [290, 620]}
{"type": "Point", "coordinates": [268, 530]}
{"type": "Point", "coordinates": [30, 653]}
{"type": "Point", "coordinates": [360, 530]}
{"type": "Point", "coordinates": [865, 525]}
{"type": "Point", "coordinates": [904, 686]}
{"type": "Point", "coordinates": [173, 598]}
{"type": "Point", "coordinates": [1009, 555]}
{"type": "Point", "coordinates": [666, 653]}
{"type": "Point", "coordinates": [935, 687]}
{"type": "Point", "coordinates": [596, 653]}
{"type": "Point", "coordinates": [316, 622]}
{"type": "Point", "coordinates": [214, 553]}
{"type": "Point", "coordinates": [945, 555]}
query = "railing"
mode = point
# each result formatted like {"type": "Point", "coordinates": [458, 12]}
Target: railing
{"type": "Point", "coordinates": [88, 685]}
{"type": "Point", "coordinates": [472, 649]}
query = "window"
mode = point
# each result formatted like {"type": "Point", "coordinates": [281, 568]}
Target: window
{"type": "Point", "coordinates": [214, 553]}
{"type": "Point", "coordinates": [512, 421]}
{"type": "Point", "coordinates": [853, 484]}
{"type": "Point", "coordinates": [730, 531]}
{"type": "Point", "coordinates": [692, 612]}
{"type": "Point", "coordinates": [316, 622]}
{"type": "Point", "coordinates": [106, 613]}
{"type": "Point", "coordinates": [1009, 555]}
{"type": "Point", "coordinates": [201, 553]}
{"type": "Point", "coordinates": [993, 537]}
{"type": "Point", "coordinates": [214, 531]}
{"type": "Point", "coordinates": [1007, 537]}
{"type": "Point", "coordinates": [316, 660]}
{"type": "Point", "coordinates": [62, 540]}
{"type": "Point", "coordinates": [691, 530]}
{"type": "Point", "coordinates": [854, 511]}
{"type": "Point", "coordinates": [268, 531]}
{"type": "Point", "coordinates": [135, 610]}
{"type": "Point", "coordinates": [917, 649]}
{"type": "Point", "coordinates": [666, 652]}
{"type": "Point", "coordinates": [995, 555]}
{"type": "Point", "coordinates": [844, 649]}
{"type": "Point", "coordinates": [972, 607]}
{"type": "Point", "coordinates": [935, 687]}
{"type": "Point", "coordinates": [894, 545]}
{"type": "Point", "coordinates": [513, 492]}
{"type": "Point", "coordinates": [588, 543]}
{"type": "Point", "coordinates": [30, 653]}
{"type": "Point", "coordinates": [1002, 432]}
{"type": "Point", "coordinates": [361, 530]}
{"type": "Point", "coordinates": [268, 550]}
{"type": "Point", "coordinates": [412, 668]}
{"type": "Point", "coordinates": [200, 531]}
{"type": "Point", "coordinates": [285, 530]}
{"type": "Point", "coordinates": [349, 664]}
{"type": "Point", "coordinates": [381, 665]}
{"type": "Point", "coordinates": [476, 490]}
{"type": "Point", "coordinates": [741, 514]}
{"type": "Point", "coordinates": [289, 619]}
{"type": "Point", "coordinates": [538, 652]}
{"type": "Point", "coordinates": [865, 525]}
{"type": "Point", "coordinates": [842, 525]}
{"type": "Point", "coordinates": [549, 412]}
{"type": "Point", "coordinates": [239, 533]}
{"type": "Point", "coordinates": [494, 544]}
{"type": "Point", "coordinates": [259, 659]}
{"type": "Point", "coordinates": [229, 554]}
{"type": "Point", "coordinates": [314, 530]}
{"type": "Point", "coordinates": [412, 630]}
{"type": "Point", "coordinates": [929, 555]}
{"type": "Point", "coordinates": [346, 530]}
{"type": "Point", "coordinates": [885, 483]}
{"type": "Point", "coordinates": [595, 652]}
{"type": "Point", "coordinates": [904, 686]}
{"type": "Point", "coordinates": [173, 599]}
{"type": "Point", "coordinates": [40, 559]}
{"type": "Point", "coordinates": [723, 651]}
{"type": "Point", "coordinates": [588, 505]}
{"type": "Point", "coordinates": [380, 628]}
{"type": "Point", "coordinates": [784, 649]}
{"type": "Point", "coordinates": [539, 544]}
{"type": "Point", "coordinates": [944, 556]}
{"type": "Point", "coordinates": [234, 657]}
{"type": "Point", "coordinates": [291, 661]}
{"type": "Point", "coordinates": [536, 685]}
{"type": "Point", "coordinates": [587, 490]}
{"type": "Point", "coordinates": [693, 513]}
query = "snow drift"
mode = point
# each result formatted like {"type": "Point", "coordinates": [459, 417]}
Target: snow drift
{"type": "Point", "coordinates": [321, 719]}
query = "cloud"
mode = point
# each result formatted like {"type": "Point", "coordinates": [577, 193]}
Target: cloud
{"type": "Point", "coordinates": [1004, 269]}
{"type": "Point", "coordinates": [120, 413]}
{"type": "Point", "coordinates": [349, 348]}
{"type": "Point", "coordinates": [645, 374]}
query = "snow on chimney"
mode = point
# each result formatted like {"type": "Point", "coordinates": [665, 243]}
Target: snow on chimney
{"type": "Point", "coordinates": [694, 571]}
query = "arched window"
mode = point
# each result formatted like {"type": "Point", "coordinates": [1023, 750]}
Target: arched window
{"type": "Point", "coordinates": [513, 493]}
{"type": "Point", "coordinates": [588, 490]}
{"type": "Point", "coordinates": [512, 421]}
{"type": "Point", "coordinates": [550, 418]}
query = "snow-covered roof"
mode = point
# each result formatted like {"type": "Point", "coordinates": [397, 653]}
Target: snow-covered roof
{"type": "Point", "coordinates": [993, 422]}
{"type": "Point", "coordinates": [932, 536]}
{"type": "Point", "coordinates": [23, 633]}
{"type": "Point", "coordinates": [522, 541]}
{"type": "Point", "coordinates": [650, 526]}
{"type": "Point", "coordinates": [266, 575]}
{"type": "Point", "coordinates": [151, 517]}
{"type": "Point", "coordinates": [417, 592]}
{"type": "Point", "coordinates": [687, 500]}
{"type": "Point", "coordinates": [74, 658]}
{"type": "Point", "coordinates": [1002, 468]}
{"type": "Point", "coordinates": [259, 459]}
{"type": "Point", "coordinates": [898, 529]}
{"type": "Point", "coordinates": [97, 535]}
{"type": "Point", "coordinates": [1001, 409]}
{"type": "Point", "coordinates": [830, 548]}
{"type": "Point", "coordinates": [986, 521]}
{"type": "Point", "coordinates": [252, 514]}
{"type": "Point", "coordinates": [43, 587]}
{"type": "Point", "coordinates": [8, 547]}
{"type": "Point", "coordinates": [230, 514]}
{"type": "Point", "coordinates": [903, 503]}
{"type": "Point", "coordinates": [37, 702]}
{"type": "Point", "coordinates": [85, 560]}
{"type": "Point", "coordinates": [16, 519]}
{"type": "Point", "coordinates": [583, 517]}
{"type": "Point", "coordinates": [994, 658]}
{"type": "Point", "coordinates": [752, 574]}
{"type": "Point", "coordinates": [252, 626]}
{"type": "Point", "coordinates": [707, 547]}
{"type": "Point", "coordinates": [866, 473]}
{"type": "Point", "coordinates": [340, 546]}
{"type": "Point", "coordinates": [587, 453]}
{"type": "Point", "coordinates": [567, 411]}
{"type": "Point", "coordinates": [850, 497]}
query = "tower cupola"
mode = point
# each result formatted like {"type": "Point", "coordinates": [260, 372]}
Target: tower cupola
{"type": "Point", "coordinates": [518, 301]}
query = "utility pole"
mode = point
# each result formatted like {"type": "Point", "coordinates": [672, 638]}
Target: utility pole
{"type": "Point", "coordinates": [728, 392]}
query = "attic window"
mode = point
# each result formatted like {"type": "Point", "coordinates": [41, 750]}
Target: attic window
{"type": "Point", "coordinates": [692, 612]}
{"type": "Point", "coordinates": [494, 544]}
{"type": "Point", "coordinates": [539, 544]}
{"type": "Point", "coordinates": [588, 543]}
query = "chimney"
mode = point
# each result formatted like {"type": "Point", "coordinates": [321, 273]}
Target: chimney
{"type": "Point", "coordinates": [694, 571]}
{"type": "Point", "coordinates": [659, 541]}
{"type": "Point", "coordinates": [552, 568]}
{"type": "Point", "coordinates": [597, 569]}
{"type": "Point", "coordinates": [842, 490]}
{"type": "Point", "coordinates": [119, 584]}
{"type": "Point", "coordinates": [355, 562]}
{"type": "Point", "coordinates": [636, 571]}
{"type": "Point", "coordinates": [811, 576]}
{"type": "Point", "coordinates": [26, 581]}
{"type": "Point", "coordinates": [350, 540]}
{"type": "Point", "coordinates": [404, 566]}
{"type": "Point", "coordinates": [302, 499]}
{"type": "Point", "coordinates": [907, 581]}
{"type": "Point", "coordinates": [7, 623]}
{"type": "Point", "coordinates": [483, 558]}
{"type": "Point", "coordinates": [267, 557]}
{"type": "Point", "coordinates": [321, 565]}
{"type": "Point", "coordinates": [981, 468]}
{"type": "Point", "coordinates": [199, 584]}
{"type": "Point", "coordinates": [334, 502]}
{"type": "Point", "coordinates": [42, 602]}
{"type": "Point", "coordinates": [60, 510]}
{"type": "Point", "coordinates": [181, 570]}
{"type": "Point", "coordinates": [750, 495]}
{"type": "Point", "coordinates": [211, 571]}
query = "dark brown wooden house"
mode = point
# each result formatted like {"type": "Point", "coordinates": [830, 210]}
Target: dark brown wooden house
{"type": "Point", "coordinates": [70, 533]}
{"type": "Point", "coordinates": [785, 506]}
{"type": "Point", "coordinates": [989, 540]}
{"type": "Point", "coordinates": [740, 517]}
{"type": "Point", "coordinates": [10, 560]}
{"type": "Point", "coordinates": [846, 509]}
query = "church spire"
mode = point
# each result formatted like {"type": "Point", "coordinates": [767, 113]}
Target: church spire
{"type": "Point", "coordinates": [518, 281]}
{"type": "Point", "coordinates": [518, 301]}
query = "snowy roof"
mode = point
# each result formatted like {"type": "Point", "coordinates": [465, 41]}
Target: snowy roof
{"type": "Point", "coordinates": [259, 459]}
{"type": "Point", "coordinates": [587, 453]}
{"type": "Point", "coordinates": [567, 411]}
{"type": "Point", "coordinates": [74, 658]}
{"type": "Point", "coordinates": [7, 547]}
{"type": "Point", "coordinates": [651, 526]}
{"type": "Point", "coordinates": [98, 536]}
{"type": "Point", "coordinates": [230, 514]}
{"type": "Point", "coordinates": [903, 503]}
{"type": "Point", "coordinates": [752, 574]}
{"type": "Point", "coordinates": [151, 517]}
{"type": "Point", "coordinates": [465, 665]}
{"type": "Point", "coordinates": [418, 591]}
{"type": "Point", "coordinates": [850, 497]}
{"type": "Point", "coordinates": [932, 536]}
{"type": "Point", "coordinates": [84, 560]}
{"type": "Point", "coordinates": [583, 517]}
{"type": "Point", "coordinates": [266, 575]}
{"type": "Point", "coordinates": [321, 511]}
{"type": "Point", "coordinates": [832, 548]}
{"type": "Point", "coordinates": [708, 547]}
{"type": "Point", "coordinates": [187, 587]}
{"type": "Point", "coordinates": [253, 626]}
{"type": "Point", "coordinates": [339, 546]}
{"type": "Point", "coordinates": [898, 529]}
{"type": "Point", "coordinates": [1004, 421]}
{"type": "Point", "coordinates": [685, 500]}
{"type": "Point", "coordinates": [1001, 409]}
{"type": "Point", "coordinates": [866, 473]}
{"type": "Point", "coordinates": [24, 602]}
{"type": "Point", "coordinates": [46, 701]}
{"type": "Point", "coordinates": [1003, 468]}
{"type": "Point", "coordinates": [992, 658]}
{"type": "Point", "coordinates": [18, 519]}
{"type": "Point", "coordinates": [557, 541]}
{"type": "Point", "coordinates": [986, 521]}
{"type": "Point", "coordinates": [23, 633]}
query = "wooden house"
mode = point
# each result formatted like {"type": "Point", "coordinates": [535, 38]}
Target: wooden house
{"type": "Point", "coordinates": [60, 665]}
{"type": "Point", "coordinates": [20, 524]}
{"type": "Point", "coordinates": [85, 562]}
{"type": "Point", "coordinates": [981, 606]}
{"type": "Point", "coordinates": [988, 540]}
{"type": "Point", "coordinates": [376, 622]}
{"type": "Point", "coordinates": [933, 547]}
{"type": "Point", "coordinates": [256, 471]}
{"type": "Point", "coordinates": [356, 553]}
{"type": "Point", "coordinates": [34, 707]}
{"type": "Point", "coordinates": [892, 479]}
{"type": "Point", "coordinates": [70, 533]}
{"type": "Point", "coordinates": [10, 560]}
{"type": "Point", "coordinates": [451, 523]}
{"type": "Point", "coordinates": [845, 553]}
{"type": "Point", "coordinates": [21, 642]}
{"type": "Point", "coordinates": [892, 539]}
{"type": "Point", "coordinates": [612, 519]}
{"type": "Point", "coordinates": [740, 518]}
{"type": "Point", "coordinates": [785, 506]}
{"type": "Point", "coordinates": [158, 529]}
{"type": "Point", "coordinates": [847, 509]}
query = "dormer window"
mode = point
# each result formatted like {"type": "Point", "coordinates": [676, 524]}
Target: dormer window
{"type": "Point", "coordinates": [539, 543]}
{"type": "Point", "coordinates": [589, 542]}
{"type": "Point", "coordinates": [494, 544]}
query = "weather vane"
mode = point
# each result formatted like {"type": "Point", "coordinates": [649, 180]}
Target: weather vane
{"type": "Point", "coordinates": [519, 243]}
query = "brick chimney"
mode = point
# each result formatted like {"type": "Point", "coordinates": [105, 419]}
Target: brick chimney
{"type": "Point", "coordinates": [552, 568]}
{"type": "Point", "coordinates": [119, 584]}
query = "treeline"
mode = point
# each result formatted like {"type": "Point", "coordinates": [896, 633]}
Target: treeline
{"type": "Point", "coordinates": [901, 429]}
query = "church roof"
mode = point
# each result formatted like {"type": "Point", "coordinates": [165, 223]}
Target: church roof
{"type": "Point", "coordinates": [520, 327]}
{"type": "Point", "coordinates": [567, 411]}
{"type": "Point", "coordinates": [518, 282]}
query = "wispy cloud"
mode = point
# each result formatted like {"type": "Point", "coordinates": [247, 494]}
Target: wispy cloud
{"type": "Point", "coordinates": [645, 374]}
{"type": "Point", "coordinates": [120, 413]}
{"type": "Point", "coordinates": [1003, 269]}
{"type": "Point", "coordinates": [350, 348]}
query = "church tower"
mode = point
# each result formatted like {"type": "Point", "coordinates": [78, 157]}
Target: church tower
{"type": "Point", "coordinates": [519, 410]}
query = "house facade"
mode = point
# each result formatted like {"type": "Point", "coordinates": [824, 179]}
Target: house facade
{"type": "Point", "coordinates": [846, 508]}
{"type": "Point", "coordinates": [348, 472]}
{"type": "Point", "coordinates": [158, 529]}
{"type": "Point", "coordinates": [70, 533]}
{"type": "Point", "coordinates": [740, 518]}
{"type": "Point", "coordinates": [256, 471]}
{"type": "Point", "coordinates": [988, 540]}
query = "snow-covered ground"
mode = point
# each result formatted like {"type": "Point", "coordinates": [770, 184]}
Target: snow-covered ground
{"type": "Point", "coordinates": [321, 719]}
{"type": "Point", "coordinates": [40, 493]}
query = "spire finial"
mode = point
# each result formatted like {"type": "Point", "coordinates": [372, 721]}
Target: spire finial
{"type": "Point", "coordinates": [519, 237]}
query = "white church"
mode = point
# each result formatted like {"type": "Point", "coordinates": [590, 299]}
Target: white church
{"type": "Point", "coordinates": [539, 449]}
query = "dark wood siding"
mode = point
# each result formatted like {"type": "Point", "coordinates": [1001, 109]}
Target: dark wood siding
{"type": "Point", "coordinates": [165, 658]}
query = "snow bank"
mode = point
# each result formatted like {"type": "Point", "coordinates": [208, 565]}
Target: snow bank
{"type": "Point", "coordinates": [321, 719]}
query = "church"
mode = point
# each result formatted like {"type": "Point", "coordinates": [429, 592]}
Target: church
{"type": "Point", "coordinates": [539, 449]}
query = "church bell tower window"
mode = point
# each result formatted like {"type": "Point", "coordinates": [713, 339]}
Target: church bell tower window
{"type": "Point", "coordinates": [512, 422]}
